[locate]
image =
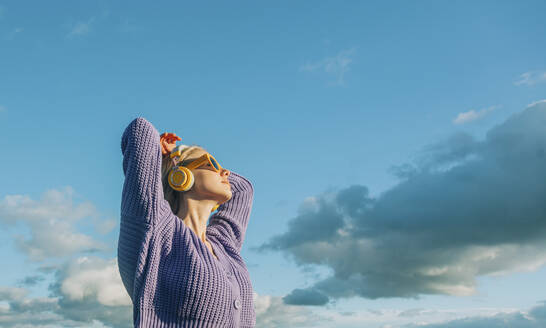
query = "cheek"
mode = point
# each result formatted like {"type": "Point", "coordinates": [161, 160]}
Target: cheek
{"type": "Point", "coordinates": [206, 182]}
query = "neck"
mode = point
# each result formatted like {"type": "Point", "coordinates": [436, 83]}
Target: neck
{"type": "Point", "coordinates": [195, 214]}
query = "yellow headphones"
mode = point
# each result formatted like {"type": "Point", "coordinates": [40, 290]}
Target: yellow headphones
{"type": "Point", "coordinates": [181, 177]}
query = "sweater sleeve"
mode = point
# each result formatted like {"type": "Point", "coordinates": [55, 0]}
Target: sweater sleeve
{"type": "Point", "coordinates": [231, 219]}
{"type": "Point", "coordinates": [142, 189]}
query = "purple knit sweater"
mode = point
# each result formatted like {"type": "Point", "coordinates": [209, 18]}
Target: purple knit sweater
{"type": "Point", "coordinates": [171, 276]}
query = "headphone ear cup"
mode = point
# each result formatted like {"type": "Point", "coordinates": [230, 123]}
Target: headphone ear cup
{"type": "Point", "coordinates": [181, 178]}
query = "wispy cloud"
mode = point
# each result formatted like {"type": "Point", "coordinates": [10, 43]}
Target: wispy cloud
{"type": "Point", "coordinates": [531, 78]}
{"type": "Point", "coordinates": [81, 28]}
{"type": "Point", "coordinates": [539, 102]}
{"type": "Point", "coordinates": [3, 108]}
{"type": "Point", "coordinates": [437, 230]}
{"type": "Point", "coordinates": [472, 115]}
{"type": "Point", "coordinates": [51, 221]}
{"type": "Point", "coordinates": [336, 66]}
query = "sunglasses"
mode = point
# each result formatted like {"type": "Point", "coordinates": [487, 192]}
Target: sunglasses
{"type": "Point", "coordinates": [198, 161]}
{"type": "Point", "coordinates": [203, 160]}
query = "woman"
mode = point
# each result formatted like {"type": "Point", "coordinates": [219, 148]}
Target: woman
{"type": "Point", "coordinates": [178, 271]}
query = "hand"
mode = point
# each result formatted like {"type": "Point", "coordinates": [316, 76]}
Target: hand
{"type": "Point", "coordinates": [168, 142]}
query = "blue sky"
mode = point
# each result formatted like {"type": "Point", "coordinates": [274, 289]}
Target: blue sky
{"type": "Point", "coordinates": [327, 108]}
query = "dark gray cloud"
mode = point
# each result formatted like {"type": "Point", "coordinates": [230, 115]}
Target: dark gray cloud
{"type": "Point", "coordinates": [31, 280]}
{"type": "Point", "coordinates": [534, 319]}
{"type": "Point", "coordinates": [309, 297]}
{"type": "Point", "coordinates": [313, 226]}
{"type": "Point", "coordinates": [463, 208]}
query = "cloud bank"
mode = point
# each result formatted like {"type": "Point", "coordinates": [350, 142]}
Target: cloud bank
{"type": "Point", "coordinates": [535, 318]}
{"type": "Point", "coordinates": [466, 208]}
{"type": "Point", "coordinates": [86, 292]}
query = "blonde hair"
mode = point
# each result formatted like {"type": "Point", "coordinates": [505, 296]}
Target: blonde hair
{"type": "Point", "coordinates": [172, 196]}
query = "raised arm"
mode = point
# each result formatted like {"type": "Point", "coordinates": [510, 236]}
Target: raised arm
{"type": "Point", "coordinates": [231, 219]}
{"type": "Point", "coordinates": [142, 189]}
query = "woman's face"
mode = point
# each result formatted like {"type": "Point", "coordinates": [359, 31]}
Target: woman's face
{"type": "Point", "coordinates": [210, 184]}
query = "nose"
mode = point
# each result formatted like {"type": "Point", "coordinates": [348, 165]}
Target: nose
{"type": "Point", "coordinates": [225, 172]}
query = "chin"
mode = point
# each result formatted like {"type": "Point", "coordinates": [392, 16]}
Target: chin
{"type": "Point", "coordinates": [228, 195]}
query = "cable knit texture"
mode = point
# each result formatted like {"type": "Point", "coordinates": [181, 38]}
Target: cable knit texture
{"type": "Point", "coordinates": [171, 276]}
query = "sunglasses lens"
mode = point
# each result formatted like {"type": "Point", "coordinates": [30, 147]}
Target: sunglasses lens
{"type": "Point", "coordinates": [214, 163]}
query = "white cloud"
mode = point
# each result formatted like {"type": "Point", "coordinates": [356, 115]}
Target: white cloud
{"type": "Point", "coordinates": [105, 226]}
{"type": "Point", "coordinates": [81, 28]}
{"type": "Point", "coordinates": [543, 101]}
{"type": "Point", "coordinates": [51, 221]}
{"type": "Point", "coordinates": [531, 78]}
{"type": "Point", "coordinates": [337, 65]}
{"type": "Point", "coordinates": [90, 289]}
{"type": "Point", "coordinates": [473, 115]}
{"type": "Point", "coordinates": [94, 278]}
